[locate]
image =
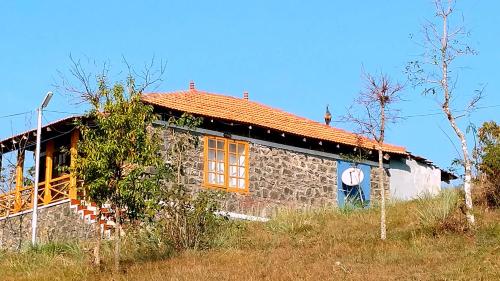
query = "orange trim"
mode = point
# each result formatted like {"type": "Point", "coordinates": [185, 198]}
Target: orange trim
{"type": "Point", "coordinates": [227, 178]}
{"type": "Point", "coordinates": [74, 153]}
{"type": "Point", "coordinates": [49, 154]}
{"type": "Point", "coordinates": [19, 180]}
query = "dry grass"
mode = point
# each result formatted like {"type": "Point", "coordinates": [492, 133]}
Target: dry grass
{"type": "Point", "coordinates": [315, 245]}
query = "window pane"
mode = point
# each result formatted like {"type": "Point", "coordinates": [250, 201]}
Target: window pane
{"type": "Point", "coordinates": [232, 159]}
{"type": "Point", "coordinates": [220, 156]}
{"type": "Point", "coordinates": [211, 155]}
{"type": "Point", "coordinates": [241, 161]}
{"type": "Point", "coordinates": [220, 167]}
{"type": "Point", "coordinates": [241, 183]}
{"type": "Point", "coordinates": [232, 147]}
{"type": "Point", "coordinates": [211, 143]}
{"type": "Point", "coordinates": [241, 149]}
{"type": "Point", "coordinates": [241, 172]}
{"type": "Point", "coordinates": [211, 166]}
{"type": "Point", "coordinates": [211, 178]}
{"type": "Point", "coordinates": [233, 171]}
{"type": "Point", "coordinates": [233, 182]}
{"type": "Point", "coordinates": [221, 179]}
{"type": "Point", "coordinates": [220, 144]}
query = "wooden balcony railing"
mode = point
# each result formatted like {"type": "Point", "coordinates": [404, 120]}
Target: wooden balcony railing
{"type": "Point", "coordinates": [21, 199]}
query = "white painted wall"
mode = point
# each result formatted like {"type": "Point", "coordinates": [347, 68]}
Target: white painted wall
{"type": "Point", "coordinates": [410, 179]}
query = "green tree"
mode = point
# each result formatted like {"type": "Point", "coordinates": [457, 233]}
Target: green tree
{"type": "Point", "coordinates": [120, 160]}
{"type": "Point", "coordinates": [487, 156]}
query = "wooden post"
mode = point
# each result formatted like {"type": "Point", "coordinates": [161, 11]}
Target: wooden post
{"type": "Point", "coordinates": [49, 160]}
{"type": "Point", "coordinates": [19, 180]}
{"type": "Point", "coordinates": [74, 153]}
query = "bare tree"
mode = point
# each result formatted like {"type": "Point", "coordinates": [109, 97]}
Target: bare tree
{"type": "Point", "coordinates": [442, 46]}
{"type": "Point", "coordinates": [372, 119]}
{"type": "Point", "coordinates": [81, 87]}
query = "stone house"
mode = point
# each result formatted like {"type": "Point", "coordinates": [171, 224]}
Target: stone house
{"type": "Point", "coordinates": [263, 157]}
{"type": "Point", "coordinates": [266, 158]}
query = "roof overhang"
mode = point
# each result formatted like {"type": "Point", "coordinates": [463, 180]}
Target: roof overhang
{"type": "Point", "coordinates": [27, 138]}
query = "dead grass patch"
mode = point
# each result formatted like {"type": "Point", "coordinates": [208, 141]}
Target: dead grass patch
{"type": "Point", "coordinates": [322, 245]}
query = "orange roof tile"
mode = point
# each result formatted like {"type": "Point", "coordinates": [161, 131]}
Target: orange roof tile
{"type": "Point", "coordinates": [246, 111]}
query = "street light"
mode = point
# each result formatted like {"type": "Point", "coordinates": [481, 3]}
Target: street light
{"type": "Point", "coordinates": [34, 220]}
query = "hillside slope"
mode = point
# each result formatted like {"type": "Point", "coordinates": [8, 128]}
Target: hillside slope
{"type": "Point", "coordinates": [315, 245]}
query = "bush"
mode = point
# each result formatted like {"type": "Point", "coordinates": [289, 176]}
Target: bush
{"type": "Point", "coordinates": [487, 192]}
{"type": "Point", "coordinates": [487, 159]}
{"type": "Point", "coordinates": [191, 222]}
{"type": "Point", "coordinates": [441, 213]}
{"type": "Point", "coordinates": [145, 242]}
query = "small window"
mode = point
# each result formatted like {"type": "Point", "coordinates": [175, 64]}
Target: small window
{"type": "Point", "coordinates": [226, 164]}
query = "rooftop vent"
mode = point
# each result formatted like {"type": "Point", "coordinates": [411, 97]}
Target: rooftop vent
{"type": "Point", "coordinates": [328, 116]}
{"type": "Point", "coordinates": [245, 95]}
{"type": "Point", "coordinates": [191, 85]}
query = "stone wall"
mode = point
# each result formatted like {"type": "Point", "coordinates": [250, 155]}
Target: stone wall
{"type": "Point", "coordinates": [57, 223]}
{"type": "Point", "coordinates": [375, 189]}
{"type": "Point", "coordinates": [278, 178]}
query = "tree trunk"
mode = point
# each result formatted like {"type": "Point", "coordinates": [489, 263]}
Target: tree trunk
{"type": "Point", "coordinates": [451, 119]}
{"type": "Point", "coordinates": [97, 247]}
{"type": "Point", "coordinates": [117, 238]}
{"type": "Point", "coordinates": [383, 227]}
{"type": "Point", "coordinates": [467, 167]}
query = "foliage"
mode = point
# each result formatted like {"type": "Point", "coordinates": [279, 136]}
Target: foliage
{"type": "Point", "coordinates": [191, 222]}
{"type": "Point", "coordinates": [440, 213]}
{"type": "Point", "coordinates": [189, 219]}
{"type": "Point", "coordinates": [487, 156]}
{"type": "Point", "coordinates": [489, 149]}
{"type": "Point", "coordinates": [56, 248]}
{"type": "Point", "coordinates": [141, 243]}
{"type": "Point", "coordinates": [120, 159]}
{"type": "Point", "coordinates": [333, 246]}
{"type": "Point", "coordinates": [119, 149]}
{"type": "Point", "coordinates": [293, 222]}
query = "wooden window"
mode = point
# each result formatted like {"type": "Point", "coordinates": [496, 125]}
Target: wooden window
{"type": "Point", "coordinates": [226, 164]}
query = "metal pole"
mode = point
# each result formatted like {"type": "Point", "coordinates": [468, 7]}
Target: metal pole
{"type": "Point", "coordinates": [34, 216]}
{"type": "Point", "coordinates": [34, 220]}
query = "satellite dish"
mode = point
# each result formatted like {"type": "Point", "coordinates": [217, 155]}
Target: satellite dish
{"type": "Point", "coordinates": [352, 176]}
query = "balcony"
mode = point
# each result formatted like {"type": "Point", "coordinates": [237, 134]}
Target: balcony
{"type": "Point", "coordinates": [21, 199]}
{"type": "Point", "coordinates": [57, 158]}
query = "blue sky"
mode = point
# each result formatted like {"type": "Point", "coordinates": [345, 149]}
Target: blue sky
{"type": "Point", "coordinates": [294, 55]}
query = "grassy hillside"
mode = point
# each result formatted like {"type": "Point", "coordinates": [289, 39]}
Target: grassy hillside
{"type": "Point", "coordinates": [425, 242]}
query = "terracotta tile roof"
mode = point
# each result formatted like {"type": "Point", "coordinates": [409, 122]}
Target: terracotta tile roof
{"type": "Point", "coordinates": [249, 112]}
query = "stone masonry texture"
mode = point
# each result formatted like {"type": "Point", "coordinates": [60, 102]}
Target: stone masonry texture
{"type": "Point", "coordinates": [56, 223]}
{"type": "Point", "coordinates": [278, 178]}
{"type": "Point", "coordinates": [375, 189]}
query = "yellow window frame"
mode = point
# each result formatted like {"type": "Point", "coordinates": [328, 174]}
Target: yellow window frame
{"type": "Point", "coordinates": [226, 185]}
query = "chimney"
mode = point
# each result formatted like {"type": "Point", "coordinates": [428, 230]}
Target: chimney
{"type": "Point", "coordinates": [328, 116]}
{"type": "Point", "coordinates": [191, 85]}
{"type": "Point", "coordinates": [245, 95]}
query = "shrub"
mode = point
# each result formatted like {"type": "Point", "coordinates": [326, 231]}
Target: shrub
{"type": "Point", "coordinates": [440, 213]}
{"type": "Point", "coordinates": [191, 222]}
{"type": "Point", "coordinates": [487, 158]}
{"type": "Point", "coordinates": [145, 242]}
